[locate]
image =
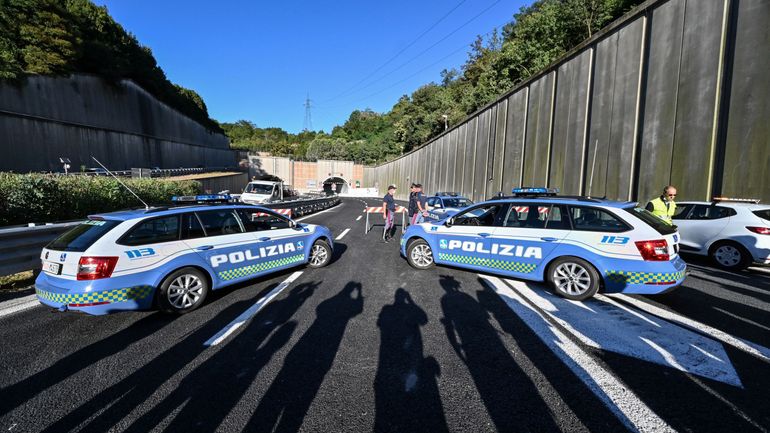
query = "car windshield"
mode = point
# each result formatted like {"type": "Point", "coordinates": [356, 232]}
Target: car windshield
{"type": "Point", "coordinates": [764, 214]}
{"type": "Point", "coordinates": [82, 236]}
{"type": "Point", "coordinates": [457, 202]}
{"type": "Point", "coordinates": [259, 188]}
{"type": "Point", "coordinates": [651, 220]}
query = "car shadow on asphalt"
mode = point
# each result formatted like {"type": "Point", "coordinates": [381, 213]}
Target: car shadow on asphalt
{"type": "Point", "coordinates": [17, 394]}
{"type": "Point", "coordinates": [211, 391]}
{"type": "Point", "coordinates": [406, 398]}
{"type": "Point", "coordinates": [113, 403]}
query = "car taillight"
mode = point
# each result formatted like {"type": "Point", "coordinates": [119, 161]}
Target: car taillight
{"type": "Point", "coordinates": [94, 268]}
{"type": "Point", "coordinates": [655, 251]}
{"type": "Point", "coordinates": [760, 230]}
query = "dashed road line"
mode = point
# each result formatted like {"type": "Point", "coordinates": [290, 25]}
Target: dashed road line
{"type": "Point", "coordinates": [248, 314]}
{"type": "Point", "coordinates": [755, 349]}
{"type": "Point", "coordinates": [342, 235]}
{"type": "Point", "coordinates": [18, 304]}
{"type": "Point", "coordinates": [359, 218]}
{"type": "Point", "coordinates": [621, 400]}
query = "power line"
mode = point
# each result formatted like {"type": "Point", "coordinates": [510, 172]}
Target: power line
{"type": "Point", "coordinates": [425, 50]}
{"type": "Point", "coordinates": [379, 68]}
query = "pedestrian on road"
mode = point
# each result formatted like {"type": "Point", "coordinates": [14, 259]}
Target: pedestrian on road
{"type": "Point", "coordinates": [664, 206]}
{"type": "Point", "coordinates": [389, 213]}
{"type": "Point", "coordinates": [422, 204]}
{"type": "Point", "coordinates": [412, 207]}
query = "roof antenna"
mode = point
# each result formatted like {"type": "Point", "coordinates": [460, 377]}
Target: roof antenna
{"type": "Point", "coordinates": [146, 206]}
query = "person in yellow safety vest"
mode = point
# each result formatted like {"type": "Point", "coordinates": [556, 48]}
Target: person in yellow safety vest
{"type": "Point", "coordinates": [664, 207]}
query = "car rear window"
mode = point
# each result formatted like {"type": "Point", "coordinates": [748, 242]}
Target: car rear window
{"type": "Point", "coordinates": [651, 220]}
{"type": "Point", "coordinates": [80, 237]}
{"type": "Point", "coordinates": [592, 219]}
{"type": "Point", "coordinates": [153, 231]}
{"type": "Point", "coordinates": [764, 214]}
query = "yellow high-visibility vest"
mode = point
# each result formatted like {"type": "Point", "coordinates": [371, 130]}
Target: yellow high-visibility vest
{"type": "Point", "coordinates": [662, 211]}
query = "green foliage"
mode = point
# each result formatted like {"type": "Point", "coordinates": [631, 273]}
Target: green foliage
{"type": "Point", "coordinates": [246, 135]}
{"type": "Point", "coordinates": [45, 198]}
{"type": "Point", "coordinates": [60, 37]}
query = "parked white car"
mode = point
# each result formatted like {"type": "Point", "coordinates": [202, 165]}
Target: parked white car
{"type": "Point", "coordinates": [734, 233]}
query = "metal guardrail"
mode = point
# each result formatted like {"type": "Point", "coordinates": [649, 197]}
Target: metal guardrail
{"type": "Point", "coordinates": [20, 246]}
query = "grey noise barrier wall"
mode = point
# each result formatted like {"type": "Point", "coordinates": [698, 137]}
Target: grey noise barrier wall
{"type": "Point", "coordinates": [44, 118]}
{"type": "Point", "coordinates": [675, 92]}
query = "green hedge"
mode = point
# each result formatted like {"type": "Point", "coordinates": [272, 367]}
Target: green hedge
{"type": "Point", "coordinates": [38, 198]}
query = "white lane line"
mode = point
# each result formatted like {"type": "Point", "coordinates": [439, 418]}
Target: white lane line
{"type": "Point", "coordinates": [319, 213]}
{"type": "Point", "coordinates": [342, 235]}
{"type": "Point", "coordinates": [622, 401]}
{"type": "Point", "coordinates": [755, 349]}
{"type": "Point", "coordinates": [359, 218]}
{"type": "Point", "coordinates": [254, 309]}
{"type": "Point", "coordinates": [18, 304]}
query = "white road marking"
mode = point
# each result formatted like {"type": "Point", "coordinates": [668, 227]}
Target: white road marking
{"type": "Point", "coordinates": [746, 346]}
{"type": "Point", "coordinates": [342, 235]}
{"type": "Point", "coordinates": [614, 329]}
{"type": "Point", "coordinates": [248, 314]}
{"type": "Point", "coordinates": [18, 304]}
{"type": "Point", "coordinates": [622, 401]}
{"type": "Point", "coordinates": [319, 213]}
{"type": "Point", "coordinates": [359, 218]}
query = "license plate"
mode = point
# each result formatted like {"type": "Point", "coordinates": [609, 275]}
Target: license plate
{"type": "Point", "coordinates": [52, 268]}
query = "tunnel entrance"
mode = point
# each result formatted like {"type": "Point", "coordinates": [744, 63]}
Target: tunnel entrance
{"type": "Point", "coordinates": [336, 185]}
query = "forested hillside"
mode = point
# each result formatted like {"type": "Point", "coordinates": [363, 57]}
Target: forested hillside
{"type": "Point", "coordinates": [55, 37]}
{"type": "Point", "coordinates": [537, 36]}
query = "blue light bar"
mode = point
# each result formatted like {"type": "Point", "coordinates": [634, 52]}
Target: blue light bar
{"type": "Point", "coordinates": [204, 198]}
{"type": "Point", "coordinates": [527, 190]}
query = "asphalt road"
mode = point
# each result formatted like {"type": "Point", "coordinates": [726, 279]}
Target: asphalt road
{"type": "Point", "coordinates": [369, 343]}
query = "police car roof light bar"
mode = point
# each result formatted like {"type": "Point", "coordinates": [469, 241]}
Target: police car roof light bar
{"type": "Point", "coordinates": [736, 200]}
{"type": "Point", "coordinates": [146, 206]}
{"type": "Point", "coordinates": [203, 198]}
{"type": "Point", "coordinates": [534, 191]}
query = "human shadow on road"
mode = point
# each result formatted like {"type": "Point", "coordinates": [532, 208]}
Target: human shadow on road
{"type": "Point", "coordinates": [102, 411]}
{"type": "Point", "coordinates": [284, 406]}
{"type": "Point", "coordinates": [591, 411]}
{"type": "Point", "coordinates": [406, 393]}
{"type": "Point", "coordinates": [17, 394]}
{"type": "Point", "coordinates": [211, 391]}
{"type": "Point", "coordinates": [510, 396]}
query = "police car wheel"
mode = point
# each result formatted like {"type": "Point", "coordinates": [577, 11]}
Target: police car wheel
{"type": "Point", "coordinates": [573, 278]}
{"type": "Point", "coordinates": [730, 256]}
{"type": "Point", "coordinates": [183, 291]}
{"type": "Point", "coordinates": [320, 254]}
{"type": "Point", "coordinates": [419, 254]}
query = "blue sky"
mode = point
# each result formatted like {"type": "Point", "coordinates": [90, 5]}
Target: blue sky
{"type": "Point", "coordinates": [257, 60]}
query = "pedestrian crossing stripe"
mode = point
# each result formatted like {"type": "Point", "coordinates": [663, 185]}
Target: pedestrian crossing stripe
{"type": "Point", "coordinates": [629, 277]}
{"type": "Point", "coordinates": [116, 295]}
{"type": "Point", "coordinates": [522, 268]}
{"type": "Point", "coordinates": [246, 271]}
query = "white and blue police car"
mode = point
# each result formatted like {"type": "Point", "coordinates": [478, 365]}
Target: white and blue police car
{"type": "Point", "coordinates": [576, 244]}
{"type": "Point", "coordinates": [171, 258]}
{"type": "Point", "coordinates": [444, 204]}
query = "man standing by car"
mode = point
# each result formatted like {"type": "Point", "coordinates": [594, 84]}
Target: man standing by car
{"type": "Point", "coordinates": [412, 207]}
{"type": "Point", "coordinates": [664, 206]}
{"type": "Point", "coordinates": [422, 205]}
{"type": "Point", "coordinates": [389, 213]}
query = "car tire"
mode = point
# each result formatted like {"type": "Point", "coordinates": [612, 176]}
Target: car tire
{"type": "Point", "coordinates": [573, 278]}
{"type": "Point", "coordinates": [183, 291]}
{"type": "Point", "coordinates": [320, 254]}
{"type": "Point", "coordinates": [730, 256]}
{"type": "Point", "coordinates": [419, 254]}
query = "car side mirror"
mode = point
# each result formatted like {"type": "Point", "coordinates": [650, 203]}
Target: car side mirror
{"type": "Point", "coordinates": [292, 224]}
{"type": "Point", "coordinates": [449, 222]}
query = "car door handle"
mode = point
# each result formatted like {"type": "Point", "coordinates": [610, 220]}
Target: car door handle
{"type": "Point", "coordinates": [483, 235]}
{"type": "Point", "coordinates": [549, 239]}
{"type": "Point", "coordinates": [264, 239]}
{"type": "Point", "coordinates": [205, 247]}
